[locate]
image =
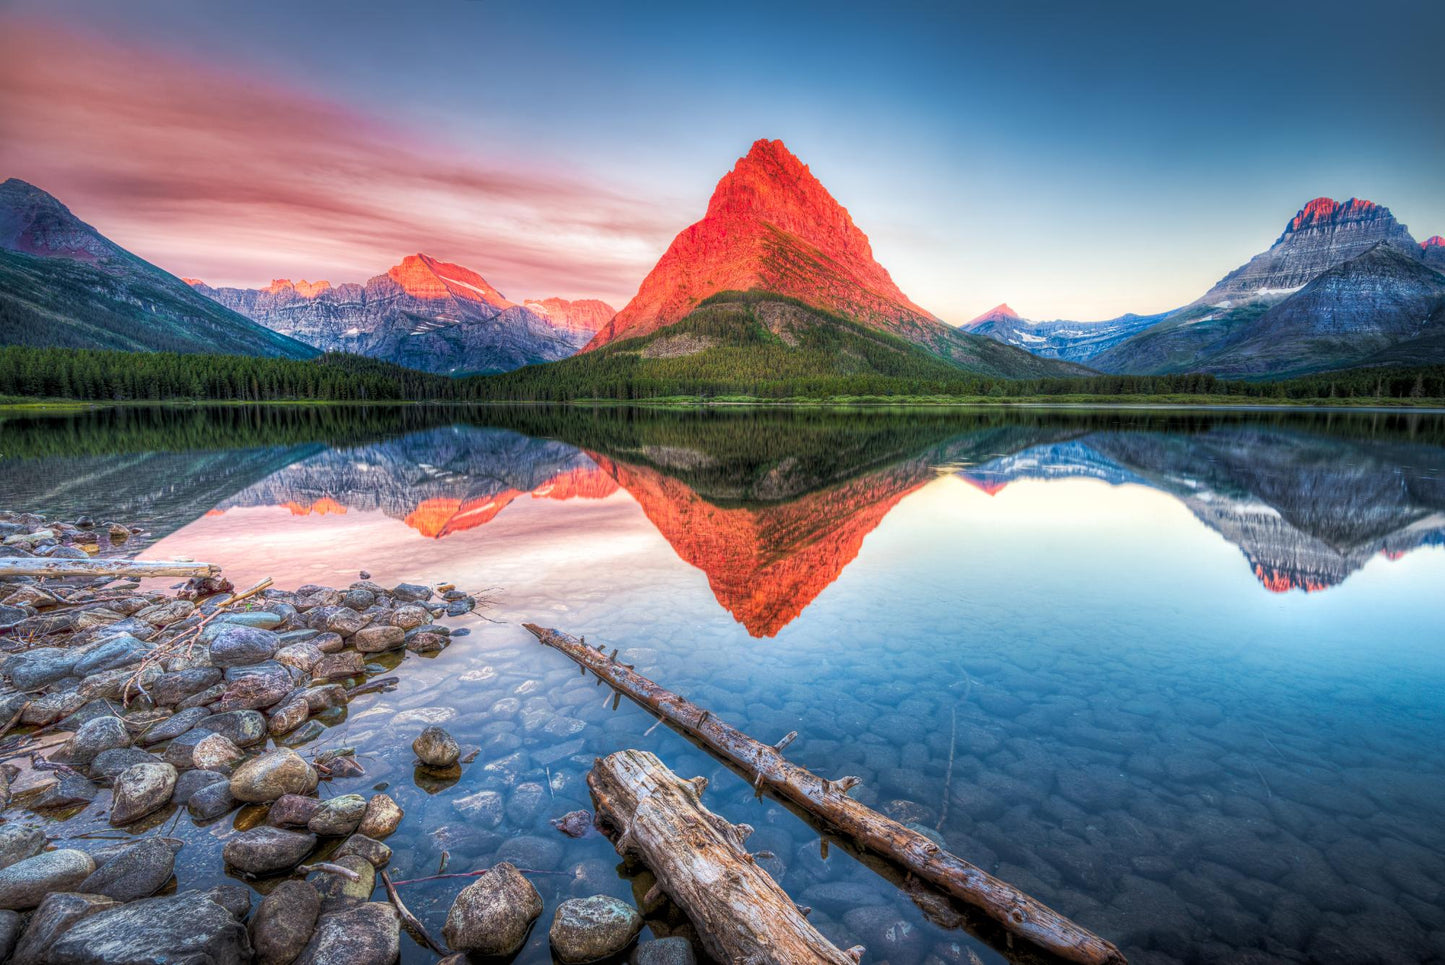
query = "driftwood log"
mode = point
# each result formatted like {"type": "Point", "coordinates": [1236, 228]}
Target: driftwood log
{"type": "Point", "coordinates": [828, 801]}
{"type": "Point", "coordinates": [141, 569]}
{"type": "Point", "coordinates": [701, 862]}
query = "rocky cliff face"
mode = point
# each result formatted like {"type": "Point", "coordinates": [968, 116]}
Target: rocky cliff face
{"type": "Point", "coordinates": [63, 283]}
{"type": "Point", "coordinates": [1344, 315]}
{"type": "Point", "coordinates": [1323, 234]}
{"type": "Point", "coordinates": [1432, 249]}
{"type": "Point", "coordinates": [423, 313]}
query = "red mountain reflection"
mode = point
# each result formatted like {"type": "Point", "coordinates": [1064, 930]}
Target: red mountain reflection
{"type": "Point", "coordinates": [765, 564]}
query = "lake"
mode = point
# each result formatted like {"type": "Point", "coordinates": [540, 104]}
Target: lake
{"type": "Point", "coordinates": [1178, 674]}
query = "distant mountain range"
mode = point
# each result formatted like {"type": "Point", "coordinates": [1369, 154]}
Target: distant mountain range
{"type": "Point", "coordinates": [423, 313]}
{"type": "Point", "coordinates": [1344, 285]}
{"type": "Point", "coordinates": [62, 283]}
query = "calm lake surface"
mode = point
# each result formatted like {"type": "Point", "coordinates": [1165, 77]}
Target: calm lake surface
{"type": "Point", "coordinates": [1180, 675]}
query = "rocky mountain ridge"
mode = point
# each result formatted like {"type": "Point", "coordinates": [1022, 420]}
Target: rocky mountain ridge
{"type": "Point", "coordinates": [424, 313]}
{"type": "Point", "coordinates": [64, 284]}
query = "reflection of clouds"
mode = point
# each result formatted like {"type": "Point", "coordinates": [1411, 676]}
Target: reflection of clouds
{"type": "Point", "coordinates": [218, 176]}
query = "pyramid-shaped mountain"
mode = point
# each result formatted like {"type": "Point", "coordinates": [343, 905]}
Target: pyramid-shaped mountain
{"type": "Point", "coordinates": [64, 284]}
{"type": "Point", "coordinates": [772, 227]}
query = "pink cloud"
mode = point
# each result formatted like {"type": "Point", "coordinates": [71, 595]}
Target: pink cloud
{"type": "Point", "coordinates": [215, 175]}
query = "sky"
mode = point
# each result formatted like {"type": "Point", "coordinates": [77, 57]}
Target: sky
{"type": "Point", "coordinates": [1074, 160]}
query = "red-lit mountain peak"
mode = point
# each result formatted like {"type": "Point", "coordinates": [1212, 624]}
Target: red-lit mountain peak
{"type": "Point", "coordinates": [996, 314]}
{"type": "Point", "coordinates": [1434, 241]}
{"type": "Point", "coordinates": [770, 225]}
{"type": "Point", "coordinates": [1323, 211]}
{"type": "Point", "coordinates": [279, 286]}
{"type": "Point", "coordinates": [422, 276]}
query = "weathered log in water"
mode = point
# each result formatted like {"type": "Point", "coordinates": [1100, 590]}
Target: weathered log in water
{"type": "Point", "coordinates": [701, 862]}
{"type": "Point", "coordinates": [828, 801]}
{"type": "Point", "coordinates": [41, 568]}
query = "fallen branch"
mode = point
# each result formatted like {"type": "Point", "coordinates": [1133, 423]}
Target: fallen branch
{"type": "Point", "coordinates": [701, 863]}
{"type": "Point", "coordinates": [410, 920]}
{"type": "Point", "coordinates": [61, 569]}
{"type": "Point", "coordinates": [329, 868]}
{"type": "Point", "coordinates": [828, 801]}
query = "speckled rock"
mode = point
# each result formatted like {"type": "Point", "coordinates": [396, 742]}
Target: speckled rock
{"type": "Point", "coordinates": [53, 918]}
{"type": "Point", "coordinates": [271, 775]}
{"type": "Point", "coordinates": [284, 922]}
{"type": "Point", "coordinates": [589, 929]}
{"type": "Point", "coordinates": [267, 850]}
{"type": "Point", "coordinates": [26, 883]}
{"type": "Point", "coordinates": [141, 789]}
{"type": "Point", "coordinates": [493, 914]}
{"type": "Point", "coordinates": [137, 872]}
{"type": "Point", "coordinates": [188, 927]}
{"type": "Point", "coordinates": [436, 748]}
{"type": "Point", "coordinates": [369, 934]}
{"type": "Point", "coordinates": [381, 817]}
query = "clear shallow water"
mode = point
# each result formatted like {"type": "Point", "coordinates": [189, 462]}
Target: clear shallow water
{"type": "Point", "coordinates": [1188, 667]}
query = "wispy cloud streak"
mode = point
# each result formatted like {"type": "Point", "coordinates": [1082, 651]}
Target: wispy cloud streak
{"type": "Point", "coordinates": [211, 173]}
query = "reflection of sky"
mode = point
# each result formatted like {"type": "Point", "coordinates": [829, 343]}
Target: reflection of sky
{"type": "Point", "coordinates": [1077, 560]}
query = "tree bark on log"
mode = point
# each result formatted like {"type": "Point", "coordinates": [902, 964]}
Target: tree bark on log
{"type": "Point", "coordinates": [828, 801]}
{"type": "Point", "coordinates": [700, 860]}
{"type": "Point", "coordinates": [60, 569]}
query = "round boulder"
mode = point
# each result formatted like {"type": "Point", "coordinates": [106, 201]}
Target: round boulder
{"type": "Point", "coordinates": [26, 883]}
{"type": "Point", "coordinates": [240, 646]}
{"type": "Point", "coordinates": [141, 789]}
{"type": "Point", "coordinates": [591, 929]}
{"type": "Point", "coordinates": [436, 748]}
{"type": "Point", "coordinates": [266, 850]}
{"type": "Point", "coordinates": [271, 775]}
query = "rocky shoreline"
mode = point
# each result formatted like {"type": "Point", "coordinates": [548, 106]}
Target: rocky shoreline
{"type": "Point", "coordinates": [202, 701]}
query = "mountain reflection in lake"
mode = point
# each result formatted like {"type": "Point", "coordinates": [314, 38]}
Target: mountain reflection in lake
{"type": "Point", "coordinates": [1092, 615]}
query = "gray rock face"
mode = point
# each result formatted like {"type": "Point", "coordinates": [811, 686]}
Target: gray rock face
{"type": "Point", "coordinates": [137, 872]}
{"type": "Point", "coordinates": [56, 914]}
{"type": "Point", "coordinates": [189, 782]}
{"type": "Point", "coordinates": [493, 914]}
{"type": "Point", "coordinates": [436, 748]}
{"type": "Point", "coordinates": [108, 765]}
{"type": "Point", "coordinates": [10, 925]}
{"type": "Point", "coordinates": [211, 801]}
{"type": "Point", "coordinates": [173, 726]}
{"type": "Point", "coordinates": [122, 650]}
{"type": "Point", "coordinates": [240, 646]}
{"type": "Point", "coordinates": [26, 883]}
{"type": "Point", "coordinates": [18, 842]}
{"type": "Point", "coordinates": [284, 922]}
{"type": "Point", "coordinates": [94, 736]}
{"type": "Point", "coordinates": [1322, 235]}
{"type": "Point", "coordinates": [338, 816]}
{"type": "Point", "coordinates": [41, 666]}
{"type": "Point", "coordinates": [265, 850]}
{"type": "Point", "coordinates": [141, 789]}
{"type": "Point", "coordinates": [187, 928]}
{"type": "Point", "coordinates": [241, 727]}
{"type": "Point", "coordinates": [664, 951]}
{"type": "Point", "coordinates": [369, 934]}
{"type": "Point", "coordinates": [202, 749]}
{"type": "Point", "coordinates": [369, 848]}
{"type": "Point", "coordinates": [423, 313]}
{"type": "Point", "coordinates": [271, 775]}
{"type": "Point", "coordinates": [170, 689]}
{"type": "Point", "coordinates": [590, 929]}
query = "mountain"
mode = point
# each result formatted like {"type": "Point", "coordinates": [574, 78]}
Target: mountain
{"type": "Point", "coordinates": [64, 284]}
{"type": "Point", "coordinates": [1273, 297]}
{"type": "Point", "coordinates": [1323, 234]}
{"type": "Point", "coordinates": [1433, 250]}
{"type": "Point", "coordinates": [1069, 341]}
{"type": "Point", "coordinates": [423, 313]}
{"type": "Point", "coordinates": [1377, 300]}
{"type": "Point", "coordinates": [771, 226]}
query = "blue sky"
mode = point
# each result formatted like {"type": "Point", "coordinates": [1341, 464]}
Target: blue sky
{"type": "Point", "coordinates": [1074, 160]}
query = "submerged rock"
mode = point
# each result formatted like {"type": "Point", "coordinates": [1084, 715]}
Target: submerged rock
{"type": "Point", "coordinates": [590, 929]}
{"type": "Point", "coordinates": [493, 914]}
{"type": "Point", "coordinates": [338, 891]}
